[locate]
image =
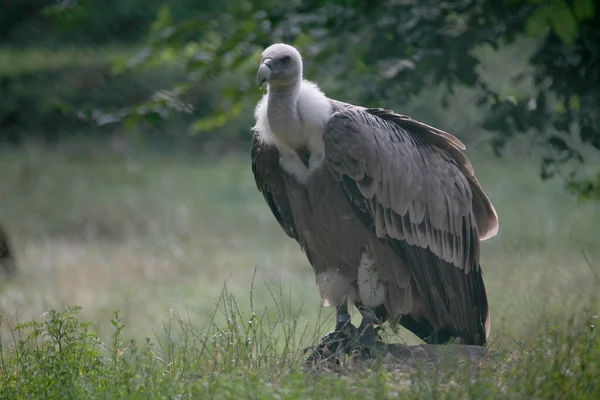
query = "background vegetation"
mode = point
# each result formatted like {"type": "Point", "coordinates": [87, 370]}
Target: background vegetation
{"type": "Point", "coordinates": [125, 184]}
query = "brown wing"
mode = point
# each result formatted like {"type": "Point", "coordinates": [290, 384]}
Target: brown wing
{"type": "Point", "coordinates": [267, 173]}
{"type": "Point", "coordinates": [485, 214]}
{"type": "Point", "coordinates": [407, 184]}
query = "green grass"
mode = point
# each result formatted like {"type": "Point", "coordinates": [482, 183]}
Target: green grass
{"type": "Point", "coordinates": [58, 357]}
{"type": "Point", "coordinates": [157, 238]}
{"type": "Point", "coordinates": [216, 302]}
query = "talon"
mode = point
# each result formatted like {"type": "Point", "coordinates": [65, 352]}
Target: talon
{"type": "Point", "coordinates": [336, 343]}
{"type": "Point", "coordinates": [347, 339]}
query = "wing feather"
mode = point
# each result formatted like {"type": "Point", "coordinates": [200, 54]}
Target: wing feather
{"type": "Point", "coordinates": [417, 191]}
{"type": "Point", "coordinates": [267, 174]}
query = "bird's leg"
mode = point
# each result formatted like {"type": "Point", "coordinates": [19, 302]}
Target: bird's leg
{"type": "Point", "coordinates": [368, 331]}
{"type": "Point", "coordinates": [344, 331]}
{"type": "Point", "coordinates": [339, 340]}
{"type": "Point", "coordinates": [342, 317]}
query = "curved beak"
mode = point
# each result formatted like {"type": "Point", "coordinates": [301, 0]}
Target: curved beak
{"type": "Point", "coordinates": [264, 72]}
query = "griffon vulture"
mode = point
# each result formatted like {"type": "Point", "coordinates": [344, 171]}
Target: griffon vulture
{"type": "Point", "coordinates": [387, 209]}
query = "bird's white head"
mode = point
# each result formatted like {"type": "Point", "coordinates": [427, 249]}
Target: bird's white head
{"type": "Point", "coordinates": [280, 65]}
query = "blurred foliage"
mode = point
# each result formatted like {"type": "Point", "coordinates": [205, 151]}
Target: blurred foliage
{"type": "Point", "coordinates": [45, 98]}
{"type": "Point", "coordinates": [83, 22]}
{"type": "Point", "coordinates": [390, 51]}
{"type": "Point", "coordinates": [562, 112]}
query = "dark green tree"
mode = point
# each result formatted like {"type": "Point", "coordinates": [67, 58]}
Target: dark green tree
{"type": "Point", "coordinates": [393, 50]}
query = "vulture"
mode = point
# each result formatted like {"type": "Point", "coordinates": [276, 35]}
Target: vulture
{"type": "Point", "coordinates": [386, 209]}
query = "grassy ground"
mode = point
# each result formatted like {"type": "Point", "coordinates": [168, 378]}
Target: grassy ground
{"type": "Point", "coordinates": [158, 238]}
{"type": "Point", "coordinates": [148, 235]}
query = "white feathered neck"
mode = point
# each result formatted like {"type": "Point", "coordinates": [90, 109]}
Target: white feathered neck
{"type": "Point", "coordinates": [294, 119]}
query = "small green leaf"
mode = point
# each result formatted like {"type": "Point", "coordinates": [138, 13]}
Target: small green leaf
{"type": "Point", "coordinates": [153, 118]}
{"type": "Point", "coordinates": [574, 102]}
{"type": "Point", "coordinates": [217, 120]}
{"type": "Point", "coordinates": [584, 9]}
{"type": "Point", "coordinates": [209, 123]}
{"type": "Point", "coordinates": [302, 40]}
{"type": "Point", "coordinates": [539, 21]}
{"type": "Point", "coordinates": [163, 19]}
{"type": "Point", "coordinates": [130, 121]}
{"type": "Point", "coordinates": [563, 22]}
{"type": "Point", "coordinates": [555, 15]}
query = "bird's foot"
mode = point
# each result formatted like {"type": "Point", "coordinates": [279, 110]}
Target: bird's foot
{"type": "Point", "coordinates": [369, 335]}
{"type": "Point", "coordinates": [343, 340]}
{"type": "Point", "coordinates": [359, 343]}
{"type": "Point", "coordinates": [346, 340]}
{"type": "Point", "coordinates": [369, 340]}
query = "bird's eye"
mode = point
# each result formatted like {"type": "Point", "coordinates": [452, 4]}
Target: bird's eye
{"type": "Point", "coordinates": [286, 60]}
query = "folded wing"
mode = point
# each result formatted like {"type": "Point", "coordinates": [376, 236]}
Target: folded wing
{"type": "Point", "coordinates": [267, 174]}
{"type": "Point", "coordinates": [411, 184]}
